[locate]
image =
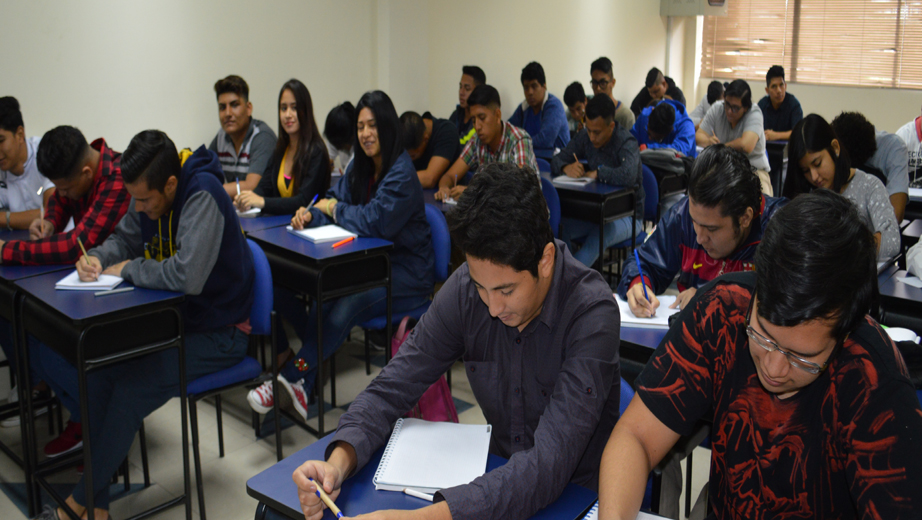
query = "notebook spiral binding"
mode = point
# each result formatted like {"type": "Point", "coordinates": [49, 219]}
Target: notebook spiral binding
{"type": "Point", "coordinates": [593, 513]}
{"type": "Point", "coordinates": [385, 457]}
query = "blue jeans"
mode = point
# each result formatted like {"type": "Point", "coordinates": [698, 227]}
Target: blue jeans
{"type": "Point", "coordinates": [586, 233]}
{"type": "Point", "coordinates": [121, 395]}
{"type": "Point", "coordinates": [339, 316]}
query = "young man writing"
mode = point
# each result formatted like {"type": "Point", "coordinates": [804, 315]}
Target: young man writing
{"type": "Point", "coordinates": [538, 332]}
{"type": "Point", "coordinates": [432, 144]}
{"type": "Point", "coordinates": [603, 82]}
{"type": "Point", "coordinates": [715, 230]}
{"type": "Point", "coordinates": [496, 141]}
{"type": "Point", "coordinates": [244, 145]}
{"type": "Point", "coordinates": [23, 188]}
{"type": "Point", "coordinates": [181, 234]}
{"type": "Point", "coordinates": [812, 409]}
{"type": "Point", "coordinates": [780, 109]}
{"type": "Point", "coordinates": [472, 77]}
{"type": "Point", "coordinates": [541, 114]}
{"type": "Point", "coordinates": [656, 87]}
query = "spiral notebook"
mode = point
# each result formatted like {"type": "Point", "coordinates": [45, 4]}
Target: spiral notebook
{"type": "Point", "coordinates": [593, 514]}
{"type": "Point", "coordinates": [429, 456]}
{"type": "Point", "coordinates": [317, 235]}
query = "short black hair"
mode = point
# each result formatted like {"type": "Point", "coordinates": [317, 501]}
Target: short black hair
{"type": "Point", "coordinates": [339, 127]}
{"type": "Point", "coordinates": [775, 71]}
{"type": "Point", "coordinates": [602, 65]}
{"type": "Point", "coordinates": [233, 84]}
{"type": "Point", "coordinates": [600, 106]}
{"type": "Point", "coordinates": [10, 116]}
{"type": "Point", "coordinates": [715, 91]}
{"type": "Point", "coordinates": [740, 88]}
{"type": "Point", "coordinates": [817, 260]}
{"type": "Point", "coordinates": [574, 94]}
{"type": "Point", "coordinates": [502, 217]}
{"type": "Point", "coordinates": [485, 96]}
{"type": "Point", "coordinates": [662, 119]}
{"type": "Point", "coordinates": [857, 135]}
{"type": "Point", "coordinates": [535, 71]}
{"type": "Point", "coordinates": [722, 177]}
{"type": "Point", "coordinates": [153, 155]}
{"type": "Point", "coordinates": [61, 152]}
{"type": "Point", "coordinates": [810, 135]}
{"type": "Point", "coordinates": [474, 72]}
{"type": "Point", "coordinates": [414, 129]}
{"type": "Point", "coordinates": [654, 76]}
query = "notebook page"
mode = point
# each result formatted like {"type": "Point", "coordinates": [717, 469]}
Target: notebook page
{"type": "Point", "coordinates": [660, 320]}
{"type": "Point", "coordinates": [72, 282]}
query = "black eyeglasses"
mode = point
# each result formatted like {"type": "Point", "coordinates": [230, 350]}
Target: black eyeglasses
{"type": "Point", "coordinates": [601, 83]}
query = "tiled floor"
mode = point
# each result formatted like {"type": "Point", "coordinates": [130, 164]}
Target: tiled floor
{"type": "Point", "coordinates": [224, 478]}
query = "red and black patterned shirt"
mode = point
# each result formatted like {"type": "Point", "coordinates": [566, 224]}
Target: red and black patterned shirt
{"type": "Point", "coordinates": [848, 445]}
{"type": "Point", "coordinates": [95, 216]}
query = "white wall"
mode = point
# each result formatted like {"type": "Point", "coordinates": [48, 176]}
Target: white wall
{"type": "Point", "coordinates": [115, 68]}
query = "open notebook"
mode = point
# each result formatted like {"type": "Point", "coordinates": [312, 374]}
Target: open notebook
{"type": "Point", "coordinates": [593, 514]}
{"type": "Point", "coordinates": [429, 456]}
{"type": "Point", "coordinates": [72, 282]}
{"type": "Point", "coordinates": [565, 180]}
{"type": "Point", "coordinates": [660, 320]}
{"type": "Point", "coordinates": [318, 235]}
{"type": "Point", "coordinates": [250, 213]}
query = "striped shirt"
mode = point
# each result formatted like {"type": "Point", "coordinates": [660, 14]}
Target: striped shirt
{"type": "Point", "coordinates": [514, 147]}
{"type": "Point", "coordinates": [254, 154]}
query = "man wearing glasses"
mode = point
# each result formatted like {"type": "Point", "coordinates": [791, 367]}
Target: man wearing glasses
{"type": "Point", "coordinates": [603, 82]}
{"type": "Point", "coordinates": [813, 413]}
{"type": "Point", "coordinates": [737, 123]}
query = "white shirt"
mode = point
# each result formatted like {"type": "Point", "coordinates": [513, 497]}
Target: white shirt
{"type": "Point", "coordinates": [909, 136]}
{"type": "Point", "coordinates": [340, 158]}
{"type": "Point", "coordinates": [20, 192]}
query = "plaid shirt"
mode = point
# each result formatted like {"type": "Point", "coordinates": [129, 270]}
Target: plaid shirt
{"type": "Point", "coordinates": [95, 216]}
{"type": "Point", "coordinates": [514, 147]}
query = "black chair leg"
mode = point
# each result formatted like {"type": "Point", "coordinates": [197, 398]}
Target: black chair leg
{"type": "Point", "coordinates": [127, 477]}
{"type": "Point", "coordinates": [197, 457]}
{"type": "Point", "coordinates": [448, 376]}
{"type": "Point", "coordinates": [142, 437]}
{"type": "Point", "coordinates": [333, 380]}
{"type": "Point", "coordinates": [217, 406]}
{"type": "Point", "coordinates": [688, 484]}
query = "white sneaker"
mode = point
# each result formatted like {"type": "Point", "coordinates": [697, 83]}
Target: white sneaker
{"type": "Point", "coordinates": [14, 421]}
{"type": "Point", "coordinates": [298, 396]}
{"type": "Point", "coordinates": [260, 398]}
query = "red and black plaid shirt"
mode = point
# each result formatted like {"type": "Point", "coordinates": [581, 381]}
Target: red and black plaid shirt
{"type": "Point", "coordinates": [95, 216]}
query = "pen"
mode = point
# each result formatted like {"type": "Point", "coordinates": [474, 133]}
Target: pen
{"type": "Point", "coordinates": [238, 185]}
{"type": "Point", "coordinates": [418, 494]}
{"type": "Point", "coordinates": [311, 205]}
{"type": "Point", "coordinates": [327, 500]}
{"type": "Point", "coordinates": [343, 242]}
{"type": "Point", "coordinates": [642, 282]}
{"type": "Point", "coordinates": [42, 216]}
{"type": "Point", "coordinates": [114, 291]}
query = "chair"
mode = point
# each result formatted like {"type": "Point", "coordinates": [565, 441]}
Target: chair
{"type": "Point", "coordinates": [553, 203]}
{"type": "Point", "coordinates": [245, 373]}
{"type": "Point", "coordinates": [543, 165]}
{"type": "Point", "coordinates": [650, 211]}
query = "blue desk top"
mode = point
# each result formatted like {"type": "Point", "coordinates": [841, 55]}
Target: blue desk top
{"type": "Point", "coordinates": [18, 272]}
{"type": "Point", "coordinates": [275, 487]}
{"type": "Point", "coordinates": [279, 236]}
{"type": "Point", "coordinates": [893, 288]}
{"type": "Point", "coordinates": [594, 188]}
{"type": "Point", "coordinates": [16, 234]}
{"type": "Point", "coordinates": [250, 225]}
{"type": "Point", "coordinates": [82, 305]}
{"type": "Point", "coordinates": [644, 337]}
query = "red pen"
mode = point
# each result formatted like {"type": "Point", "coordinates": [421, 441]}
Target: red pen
{"type": "Point", "coordinates": [343, 242]}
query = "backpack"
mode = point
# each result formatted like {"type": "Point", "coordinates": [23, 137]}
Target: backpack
{"type": "Point", "coordinates": [436, 403]}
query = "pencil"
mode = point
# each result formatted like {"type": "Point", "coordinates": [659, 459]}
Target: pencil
{"type": "Point", "coordinates": [343, 242]}
{"type": "Point", "coordinates": [85, 259]}
{"type": "Point", "coordinates": [327, 500]}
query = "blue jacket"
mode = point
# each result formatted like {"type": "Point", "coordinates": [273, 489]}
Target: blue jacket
{"type": "Point", "coordinates": [548, 128]}
{"type": "Point", "coordinates": [396, 212]}
{"type": "Point", "coordinates": [682, 137]}
{"type": "Point", "coordinates": [673, 248]}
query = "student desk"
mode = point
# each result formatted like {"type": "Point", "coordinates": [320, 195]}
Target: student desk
{"type": "Point", "coordinates": [250, 225]}
{"type": "Point", "coordinates": [637, 346]}
{"type": "Point", "coordinates": [777, 162]}
{"type": "Point", "coordinates": [325, 273]}
{"type": "Point", "coordinates": [429, 198]}
{"type": "Point", "coordinates": [598, 203]}
{"type": "Point", "coordinates": [900, 304]}
{"type": "Point", "coordinates": [92, 332]}
{"type": "Point", "coordinates": [275, 488]}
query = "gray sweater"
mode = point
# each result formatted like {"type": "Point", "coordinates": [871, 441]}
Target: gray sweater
{"type": "Point", "coordinates": [870, 195]}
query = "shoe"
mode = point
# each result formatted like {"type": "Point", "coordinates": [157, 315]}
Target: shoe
{"type": "Point", "coordinates": [14, 421]}
{"type": "Point", "coordinates": [70, 439]}
{"type": "Point", "coordinates": [298, 396]}
{"type": "Point", "coordinates": [48, 513]}
{"type": "Point", "coordinates": [260, 398]}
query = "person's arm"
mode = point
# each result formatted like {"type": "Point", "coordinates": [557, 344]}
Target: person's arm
{"type": "Point", "coordinates": [883, 219]}
{"type": "Point", "coordinates": [260, 154]}
{"type": "Point", "coordinates": [314, 176]}
{"type": "Point", "coordinates": [568, 155]}
{"type": "Point", "coordinates": [627, 173]}
{"type": "Point", "coordinates": [895, 164]}
{"type": "Point", "coordinates": [437, 166]}
{"type": "Point", "coordinates": [745, 143]}
{"type": "Point", "coordinates": [199, 232]}
{"type": "Point", "coordinates": [899, 202]}
{"type": "Point", "coordinates": [660, 255]}
{"type": "Point", "coordinates": [459, 169]}
{"type": "Point", "coordinates": [248, 184]}
{"type": "Point", "coordinates": [267, 186]}
{"type": "Point", "coordinates": [705, 135]}
{"type": "Point", "coordinates": [518, 117]}
{"type": "Point", "coordinates": [445, 145]}
{"type": "Point", "coordinates": [553, 124]}
{"type": "Point", "coordinates": [123, 244]}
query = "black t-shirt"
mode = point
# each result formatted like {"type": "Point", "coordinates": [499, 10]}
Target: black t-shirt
{"type": "Point", "coordinates": [643, 98]}
{"type": "Point", "coordinates": [848, 445]}
{"type": "Point", "coordinates": [442, 143]}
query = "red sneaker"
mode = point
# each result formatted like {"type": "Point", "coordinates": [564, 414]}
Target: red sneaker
{"type": "Point", "coordinates": [70, 439]}
{"type": "Point", "coordinates": [298, 396]}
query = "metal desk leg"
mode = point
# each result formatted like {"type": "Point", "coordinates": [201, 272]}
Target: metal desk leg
{"type": "Point", "coordinates": [318, 383]}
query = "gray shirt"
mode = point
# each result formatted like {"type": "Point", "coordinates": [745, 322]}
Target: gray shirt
{"type": "Point", "coordinates": [254, 155]}
{"type": "Point", "coordinates": [551, 392]}
{"type": "Point", "coordinates": [699, 112]}
{"type": "Point", "coordinates": [869, 194]}
{"type": "Point", "coordinates": [892, 158]}
{"type": "Point", "coordinates": [715, 121]}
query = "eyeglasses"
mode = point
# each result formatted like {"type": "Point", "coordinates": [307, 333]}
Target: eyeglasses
{"type": "Point", "coordinates": [732, 108]}
{"type": "Point", "coordinates": [771, 346]}
{"type": "Point", "coordinates": [601, 83]}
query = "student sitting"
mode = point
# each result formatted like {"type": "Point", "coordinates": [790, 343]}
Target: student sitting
{"type": "Point", "coordinates": [911, 134]}
{"type": "Point", "coordinates": [666, 125]}
{"type": "Point", "coordinates": [611, 156]}
{"type": "Point", "coordinates": [656, 87]}
{"type": "Point", "coordinates": [339, 134]}
{"type": "Point", "coordinates": [738, 124]}
{"type": "Point", "coordinates": [538, 333]}
{"type": "Point", "coordinates": [812, 411]}
{"type": "Point", "coordinates": [181, 234]}
{"type": "Point", "coordinates": [575, 99]}
{"type": "Point", "coordinates": [432, 143]}
{"type": "Point", "coordinates": [243, 144]}
{"type": "Point", "coordinates": [496, 141]}
{"type": "Point", "coordinates": [89, 189]}
{"type": "Point", "coordinates": [876, 152]}
{"type": "Point", "coordinates": [603, 82]}
{"type": "Point", "coordinates": [780, 109]}
{"type": "Point", "coordinates": [379, 196]}
{"type": "Point", "coordinates": [715, 230]}
{"type": "Point", "coordinates": [300, 167]}
{"type": "Point", "coordinates": [541, 114]}
{"type": "Point", "coordinates": [715, 94]}
{"type": "Point", "coordinates": [23, 188]}
{"type": "Point", "coordinates": [471, 78]}
{"type": "Point", "coordinates": [817, 155]}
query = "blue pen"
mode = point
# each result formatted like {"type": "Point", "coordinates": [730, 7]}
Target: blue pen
{"type": "Point", "coordinates": [640, 270]}
{"type": "Point", "coordinates": [238, 185]}
{"type": "Point", "coordinates": [326, 499]}
{"type": "Point", "coordinates": [311, 205]}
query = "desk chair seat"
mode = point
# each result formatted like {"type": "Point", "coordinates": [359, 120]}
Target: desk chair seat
{"type": "Point", "coordinates": [650, 212]}
{"type": "Point", "coordinates": [553, 204]}
{"type": "Point", "coordinates": [543, 165]}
